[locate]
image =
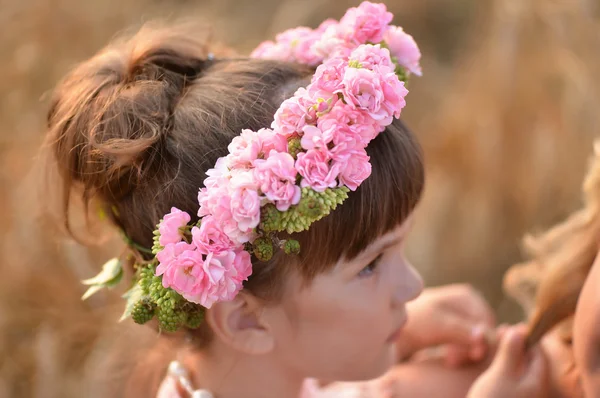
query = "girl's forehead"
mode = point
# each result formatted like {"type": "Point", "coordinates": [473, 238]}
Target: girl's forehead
{"type": "Point", "coordinates": [390, 238]}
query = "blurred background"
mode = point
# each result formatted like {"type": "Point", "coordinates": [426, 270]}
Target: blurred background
{"type": "Point", "coordinates": [506, 112]}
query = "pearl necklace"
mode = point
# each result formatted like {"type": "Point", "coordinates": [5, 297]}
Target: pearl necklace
{"type": "Point", "coordinates": [180, 373]}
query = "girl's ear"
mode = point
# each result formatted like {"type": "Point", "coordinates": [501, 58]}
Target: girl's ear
{"type": "Point", "coordinates": [240, 324]}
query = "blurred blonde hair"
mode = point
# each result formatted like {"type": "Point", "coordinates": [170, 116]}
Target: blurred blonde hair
{"type": "Point", "coordinates": [549, 285]}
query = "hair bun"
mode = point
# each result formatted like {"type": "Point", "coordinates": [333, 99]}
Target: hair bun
{"type": "Point", "coordinates": [124, 108]}
{"type": "Point", "coordinates": [165, 64]}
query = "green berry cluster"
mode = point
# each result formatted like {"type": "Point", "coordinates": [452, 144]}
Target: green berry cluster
{"type": "Point", "coordinates": [294, 147]}
{"type": "Point", "coordinates": [169, 307]}
{"type": "Point", "coordinates": [312, 207]}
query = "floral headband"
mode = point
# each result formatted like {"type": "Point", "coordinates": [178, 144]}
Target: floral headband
{"type": "Point", "coordinates": [278, 179]}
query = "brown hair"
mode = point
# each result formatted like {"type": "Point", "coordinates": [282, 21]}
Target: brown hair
{"type": "Point", "coordinates": [137, 126]}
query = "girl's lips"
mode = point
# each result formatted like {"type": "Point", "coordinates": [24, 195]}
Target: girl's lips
{"type": "Point", "coordinates": [396, 333]}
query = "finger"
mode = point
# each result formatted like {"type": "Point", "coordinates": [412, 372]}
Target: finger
{"type": "Point", "coordinates": [537, 368]}
{"type": "Point", "coordinates": [478, 351]}
{"type": "Point", "coordinates": [471, 303]}
{"type": "Point", "coordinates": [511, 349]}
{"type": "Point", "coordinates": [455, 330]}
{"type": "Point", "coordinates": [456, 356]}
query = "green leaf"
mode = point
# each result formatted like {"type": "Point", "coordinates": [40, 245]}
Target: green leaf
{"type": "Point", "coordinates": [132, 296]}
{"type": "Point", "coordinates": [111, 271]}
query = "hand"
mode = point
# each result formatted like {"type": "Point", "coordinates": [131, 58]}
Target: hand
{"type": "Point", "coordinates": [514, 372]}
{"type": "Point", "coordinates": [454, 316]}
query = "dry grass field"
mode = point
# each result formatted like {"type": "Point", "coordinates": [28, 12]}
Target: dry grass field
{"type": "Point", "coordinates": [506, 111]}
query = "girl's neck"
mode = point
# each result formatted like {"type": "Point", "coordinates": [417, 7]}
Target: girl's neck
{"type": "Point", "coordinates": [230, 374]}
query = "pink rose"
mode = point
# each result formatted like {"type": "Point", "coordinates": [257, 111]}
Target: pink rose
{"type": "Point", "coordinates": [210, 237]}
{"type": "Point", "coordinates": [353, 162]}
{"type": "Point", "coordinates": [217, 202]}
{"type": "Point", "coordinates": [271, 141]}
{"type": "Point", "coordinates": [332, 44]}
{"type": "Point", "coordinates": [373, 57]}
{"type": "Point", "coordinates": [394, 93]}
{"type": "Point", "coordinates": [403, 47]}
{"type": "Point", "coordinates": [362, 89]}
{"type": "Point", "coordinates": [276, 177]}
{"type": "Point", "coordinates": [231, 227]}
{"type": "Point", "coordinates": [177, 263]}
{"type": "Point", "coordinates": [242, 267]}
{"type": "Point", "coordinates": [266, 50]}
{"type": "Point", "coordinates": [381, 96]}
{"type": "Point", "coordinates": [218, 175]}
{"type": "Point", "coordinates": [326, 24]}
{"type": "Point", "coordinates": [170, 226]}
{"type": "Point", "coordinates": [214, 200]}
{"type": "Point", "coordinates": [313, 138]}
{"type": "Point", "coordinates": [291, 117]}
{"type": "Point", "coordinates": [245, 202]}
{"type": "Point", "coordinates": [327, 78]}
{"type": "Point", "coordinates": [314, 166]}
{"type": "Point", "coordinates": [345, 122]}
{"type": "Point", "coordinates": [300, 40]}
{"type": "Point", "coordinates": [243, 149]}
{"type": "Point", "coordinates": [220, 278]}
{"type": "Point", "coordinates": [366, 23]}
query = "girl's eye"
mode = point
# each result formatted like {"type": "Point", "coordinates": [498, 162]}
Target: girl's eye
{"type": "Point", "coordinates": [370, 268]}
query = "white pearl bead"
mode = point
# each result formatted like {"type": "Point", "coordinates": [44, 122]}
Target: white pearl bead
{"type": "Point", "coordinates": [177, 369]}
{"type": "Point", "coordinates": [202, 394]}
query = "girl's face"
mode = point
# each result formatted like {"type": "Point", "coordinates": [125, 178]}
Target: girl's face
{"type": "Point", "coordinates": [586, 333]}
{"type": "Point", "coordinates": [344, 324]}
{"type": "Point", "coordinates": [564, 374]}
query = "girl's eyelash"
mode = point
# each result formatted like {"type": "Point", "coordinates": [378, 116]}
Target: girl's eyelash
{"type": "Point", "coordinates": [370, 268]}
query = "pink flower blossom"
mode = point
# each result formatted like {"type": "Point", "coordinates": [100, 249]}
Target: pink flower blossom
{"type": "Point", "coordinates": [218, 175]}
{"type": "Point", "coordinates": [326, 24]}
{"type": "Point", "coordinates": [403, 47]}
{"type": "Point", "coordinates": [301, 41]}
{"type": "Point", "coordinates": [313, 138]}
{"type": "Point", "coordinates": [210, 237]}
{"type": "Point", "coordinates": [345, 122]}
{"type": "Point", "coordinates": [366, 23]}
{"type": "Point", "coordinates": [245, 202]}
{"type": "Point", "coordinates": [276, 177]}
{"type": "Point", "coordinates": [373, 57]}
{"type": "Point", "coordinates": [314, 166]}
{"type": "Point", "coordinates": [353, 163]}
{"type": "Point", "coordinates": [177, 265]}
{"type": "Point", "coordinates": [170, 226]}
{"type": "Point", "coordinates": [243, 150]}
{"type": "Point", "coordinates": [271, 141]}
{"type": "Point", "coordinates": [394, 93]}
{"type": "Point", "coordinates": [250, 145]}
{"type": "Point", "coordinates": [219, 279]}
{"type": "Point", "coordinates": [291, 117]}
{"type": "Point", "coordinates": [327, 78]}
{"type": "Point", "coordinates": [214, 199]}
{"type": "Point", "coordinates": [266, 50]}
{"type": "Point", "coordinates": [242, 267]}
{"type": "Point", "coordinates": [332, 44]}
{"type": "Point", "coordinates": [381, 96]}
{"type": "Point", "coordinates": [362, 89]}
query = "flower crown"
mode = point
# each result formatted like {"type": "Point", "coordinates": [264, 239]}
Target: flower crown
{"type": "Point", "coordinates": [283, 178]}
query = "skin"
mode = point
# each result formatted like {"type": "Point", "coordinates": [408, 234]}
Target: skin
{"type": "Point", "coordinates": [343, 326]}
{"type": "Point", "coordinates": [586, 334]}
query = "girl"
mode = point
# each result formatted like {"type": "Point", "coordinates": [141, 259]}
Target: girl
{"type": "Point", "coordinates": [289, 263]}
